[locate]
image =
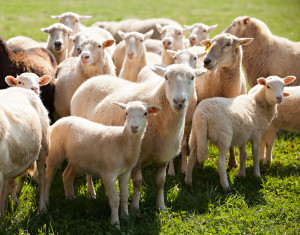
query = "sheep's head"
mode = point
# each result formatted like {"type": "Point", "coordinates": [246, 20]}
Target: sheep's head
{"type": "Point", "coordinates": [199, 32]}
{"type": "Point", "coordinates": [274, 86]}
{"type": "Point", "coordinates": [72, 20]}
{"type": "Point", "coordinates": [186, 56]}
{"type": "Point", "coordinates": [134, 43]}
{"type": "Point", "coordinates": [172, 36]}
{"type": "Point", "coordinates": [58, 36]}
{"type": "Point", "coordinates": [223, 50]}
{"type": "Point", "coordinates": [78, 39]}
{"type": "Point", "coordinates": [136, 115]}
{"type": "Point", "coordinates": [179, 82]}
{"type": "Point", "coordinates": [28, 81]}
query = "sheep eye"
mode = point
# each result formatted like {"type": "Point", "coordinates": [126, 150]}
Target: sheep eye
{"type": "Point", "coordinates": [228, 44]}
{"type": "Point", "coordinates": [126, 113]}
{"type": "Point", "coordinates": [145, 114]}
{"type": "Point", "coordinates": [20, 83]}
{"type": "Point", "coordinates": [141, 40]}
{"type": "Point", "coordinates": [192, 78]}
{"type": "Point", "coordinates": [166, 77]}
{"type": "Point", "coordinates": [175, 58]}
{"type": "Point", "coordinates": [179, 33]}
{"type": "Point", "coordinates": [76, 20]}
{"type": "Point", "coordinates": [195, 58]}
{"type": "Point", "coordinates": [99, 46]}
{"type": "Point", "coordinates": [268, 86]}
{"type": "Point", "coordinates": [204, 30]}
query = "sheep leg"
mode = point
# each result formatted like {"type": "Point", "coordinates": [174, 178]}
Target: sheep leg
{"type": "Point", "coordinates": [232, 161]}
{"type": "Point", "coordinates": [255, 152]}
{"type": "Point", "coordinates": [113, 198]}
{"type": "Point", "coordinates": [13, 190]}
{"type": "Point", "coordinates": [221, 163]}
{"type": "Point", "coordinates": [41, 164]}
{"type": "Point", "coordinates": [137, 178]}
{"type": "Point", "coordinates": [171, 170]}
{"type": "Point", "coordinates": [68, 178]}
{"type": "Point", "coordinates": [269, 137]}
{"type": "Point", "coordinates": [21, 181]}
{"type": "Point", "coordinates": [1, 193]}
{"type": "Point", "coordinates": [4, 197]}
{"type": "Point", "coordinates": [243, 157]}
{"type": "Point", "coordinates": [124, 193]}
{"type": "Point", "coordinates": [91, 190]}
{"type": "Point", "coordinates": [190, 166]}
{"type": "Point", "coordinates": [183, 154]}
{"type": "Point", "coordinates": [160, 181]}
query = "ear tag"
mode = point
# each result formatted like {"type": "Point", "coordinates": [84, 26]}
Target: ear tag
{"type": "Point", "coordinates": [207, 47]}
{"type": "Point", "coordinates": [152, 111]}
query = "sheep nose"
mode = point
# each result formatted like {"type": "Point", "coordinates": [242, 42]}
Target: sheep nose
{"type": "Point", "coordinates": [134, 129]}
{"type": "Point", "coordinates": [130, 54]}
{"type": "Point", "coordinates": [279, 99]}
{"type": "Point", "coordinates": [179, 102]}
{"type": "Point", "coordinates": [207, 61]}
{"type": "Point", "coordinates": [85, 57]}
{"type": "Point", "coordinates": [167, 43]}
{"type": "Point", "coordinates": [35, 89]}
{"type": "Point", "coordinates": [78, 50]}
{"type": "Point", "coordinates": [192, 40]}
{"type": "Point", "coordinates": [57, 44]}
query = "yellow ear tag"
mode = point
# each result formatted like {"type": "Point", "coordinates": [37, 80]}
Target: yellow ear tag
{"type": "Point", "coordinates": [207, 47]}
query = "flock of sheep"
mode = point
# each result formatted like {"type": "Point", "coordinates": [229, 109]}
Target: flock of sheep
{"type": "Point", "coordinates": [169, 90]}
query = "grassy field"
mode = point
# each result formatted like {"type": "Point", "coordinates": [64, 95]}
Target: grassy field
{"type": "Point", "coordinates": [269, 205]}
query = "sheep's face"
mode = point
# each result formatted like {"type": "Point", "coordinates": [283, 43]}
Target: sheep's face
{"type": "Point", "coordinates": [186, 56]}
{"type": "Point", "coordinates": [136, 115]}
{"type": "Point", "coordinates": [28, 81]}
{"type": "Point", "coordinates": [199, 32]}
{"type": "Point", "coordinates": [72, 20]}
{"type": "Point", "coordinates": [93, 52]}
{"type": "Point", "coordinates": [172, 37]}
{"type": "Point", "coordinates": [179, 82]}
{"type": "Point", "coordinates": [58, 37]}
{"type": "Point", "coordinates": [78, 39]}
{"type": "Point", "coordinates": [135, 43]}
{"type": "Point", "coordinates": [223, 51]}
{"type": "Point", "coordinates": [274, 86]}
{"type": "Point", "coordinates": [238, 26]}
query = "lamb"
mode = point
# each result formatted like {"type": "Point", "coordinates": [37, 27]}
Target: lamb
{"type": "Point", "coordinates": [136, 56]}
{"type": "Point", "coordinates": [32, 82]}
{"type": "Point", "coordinates": [71, 73]}
{"type": "Point", "coordinates": [287, 118]}
{"type": "Point", "coordinates": [58, 40]}
{"type": "Point", "coordinates": [23, 42]}
{"type": "Point", "coordinates": [172, 39]}
{"type": "Point", "coordinates": [163, 136]}
{"type": "Point", "coordinates": [116, 151]}
{"type": "Point", "coordinates": [24, 138]}
{"type": "Point", "coordinates": [151, 45]}
{"type": "Point", "coordinates": [135, 25]}
{"type": "Point", "coordinates": [199, 32]}
{"type": "Point", "coordinates": [94, 33]}
{"type": "Point", "coordinates": [268, 54]}
{"type": "Point", "coordinates": [36, 60]}
{"type": "Point", "coordinates": [229, 122]}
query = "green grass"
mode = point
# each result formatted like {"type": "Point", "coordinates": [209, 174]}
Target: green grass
{"type": "Point", "coordinates": [269, 205]}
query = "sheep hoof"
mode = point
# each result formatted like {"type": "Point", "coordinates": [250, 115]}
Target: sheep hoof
{"type": "Point", "coordinates": [188, 181]}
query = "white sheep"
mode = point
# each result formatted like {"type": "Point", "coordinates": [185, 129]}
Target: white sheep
{"type": "Point", "coordinates": [24, 138]}
{"type": "Point", "coordinates": [199, 32]}
{"type": "Point", "coordinates": [58, 40]}
{"type": "Point", "coordinates": [24, 42]}
{"type": "Point", "coordinates": [229, 122]}
{"type": "Point", "coordinates": [135, 25]}
{"type": "Point", "coordinates": [93, 60]}
{"type": "Point", "coordinates": [287, 118]}
{"type": "Point", "coordinates": [115, 152]}
{"type": "Point", "coordinates": [172, 39]}
{"type": "Point", "coordinates": [94, 33]}
{"type": "Point", "coordinates": [151, 45]}
{"type": "Point", "coordinates": [164, 133]}
{"type": "Point", "coordinates": [136, 56]}
{"type": "Point", "coordinates": [268, 54]}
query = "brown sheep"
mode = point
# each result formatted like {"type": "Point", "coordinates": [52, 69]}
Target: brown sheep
{"type": "Point", "coordinates": [35, 60]}
{"type": "Point", "coordinates": [268, 54]}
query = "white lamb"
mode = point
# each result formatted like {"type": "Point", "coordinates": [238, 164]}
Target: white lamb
{"type": "Point", "coordinates": [136, 56]}
{"type": "Point", "coordinates": [113, 153]}
{"type": "Point", "coordinates": [199, 32]}
{"type": "Point", "coordinates": [229, 122]}
{"type": "Point", "coordinates": [71, 73]}
{"type": "Point", "coordinates": [172, 39]}
{"type": "Point", "coordinates": [58, 40]}
{"type": "Point", "coordinates": [287, 118]}
{"type": "Point", "coordinates": [24, 138]}
{"type": "Point", "coordinates": [164, 133]}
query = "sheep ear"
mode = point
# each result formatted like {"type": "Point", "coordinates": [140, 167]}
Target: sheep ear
{"type": "Point", "coordinates": [148, 34]}
{"type": "Point", "coordinates": [44, 80]}
{"type": "Point", "coordinates": [153, 109]}
{"type": "Point", "coordinates": [244, 41]}
{"type": "Point", "coordinates": [83, 18]}
{"type": "Point", "coordinates": [205, 43]}
{"type": "Point", "coordinates": [189, 28]}
{"type": "Point", "coordinates": [121, 34]}
{"type": "Point", "coordinates": [211, 28]}
{"type": "Point", "coordinates": [108, 43]}
{"type": "Point", "coordinates": [72, 38]}
{"type": "Point", "coordinates": [11, 81]}
{"type": "Point", "coordinates": [285, 94]}
{"type": "Point", "coordinates": [199, 72]}
{"type": "Point", "coordinates": [172, 53]}
{"type": "Point", "coordinates": [246, 20]}
{"type": "Point", "coordinates": [158, 69]}
{"type": "Point", "coordinates": [56, 17]}
{"type": "Point", "coordinates": [159, 27]}
{"type": "Point", "coordinates": [200, 54]}
{"type": "Point", "coordinates": [121, 105]}
{"type": "Point", "coordinates": [261, 81]}
{"type": "Point", "coordinates": [289, 79]}
{"type": "Point", "coordinates": [185, 31]}
{"type": "Point", "coordinates": [46, 30]}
